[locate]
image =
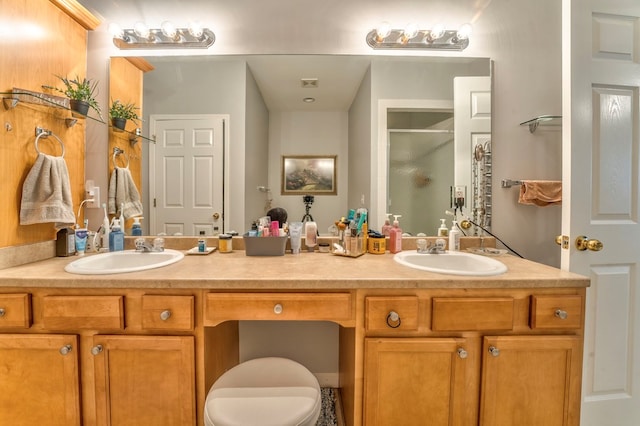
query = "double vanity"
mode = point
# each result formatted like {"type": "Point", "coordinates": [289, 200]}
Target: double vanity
{"type": "Point", "coordinates": [145, 347]}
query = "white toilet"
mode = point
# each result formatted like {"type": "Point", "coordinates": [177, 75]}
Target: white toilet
{"type": "Point", "coordinates": [264, 392]}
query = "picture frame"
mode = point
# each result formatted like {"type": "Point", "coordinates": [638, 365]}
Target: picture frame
{"type": "Point", "coordinates": [309, 175]}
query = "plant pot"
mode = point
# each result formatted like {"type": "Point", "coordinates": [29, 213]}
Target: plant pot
{"type": "Point", "coordinates": [81, 107]}
{"type": "Point", "coordinates": [119, 124]}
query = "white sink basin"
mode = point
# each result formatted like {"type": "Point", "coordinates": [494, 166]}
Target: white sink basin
{"type": "Point", "coordinates": [453, 263]}
{"type": "Point", "coordinates": [118, 262]}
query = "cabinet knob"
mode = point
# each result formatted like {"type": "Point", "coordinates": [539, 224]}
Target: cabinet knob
{"type": "Point", "coordinates": [65, 349]}
{"type": "Point", "coordinates": [277, 309]}
{"type": "Point", "coordinates": [165, 315]}
{"type": "Point", "coordinates": [2, 312]}
{"type": "Point", "coordinates": [393, 319]}
{"type": "Point", "coordinates": [561, 313]}
{"type": "Point", "coordinates": [494, 351]}
{"type": "Point", "coordinates": [96, 350]}
{"type": "Point", "coordinates": [462, 353]}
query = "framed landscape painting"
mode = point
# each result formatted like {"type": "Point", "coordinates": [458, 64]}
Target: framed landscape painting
{"type": "Point", "coordinates": [309, 174]}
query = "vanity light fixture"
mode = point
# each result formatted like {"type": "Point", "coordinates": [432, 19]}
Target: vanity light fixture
{"type": "Point", "coordinates": [410, 37]}
{"type": "Point", "coordinates": [167, 37]}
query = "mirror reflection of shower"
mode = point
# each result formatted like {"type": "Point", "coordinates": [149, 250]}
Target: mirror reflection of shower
{"type": "Point", "coordinates": [421, 168]}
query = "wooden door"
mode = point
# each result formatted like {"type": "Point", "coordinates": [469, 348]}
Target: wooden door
{"type": "Point", "coordinates": [144, 380]}
{"type": "Point", "coordinates": [601, 157]}
{"type": "Point", "coordinates": [531, 381]}
{"type": "Point", "coordinates": [417, 381]}
{"type": "Point", "coordinates": [186, 170]}
{"type": "Point", "coordinates": [39, 381]}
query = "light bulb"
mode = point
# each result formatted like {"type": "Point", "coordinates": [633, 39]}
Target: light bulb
{"type": "Point", "coordinates": [168, 29]}
{"type": "Point", "coordinates": [141, 29]}
{"type": "Point", "coordinates": [195, 29]}
{"type": "Point", "coordinates": [410, 31]}
{"type": "Point", "coordinates": [436, 32]}
{"type": "Point", "coordinates": [464, 32]}
{"type": "Point", "coordinates": [383, 30]}
{"type": "Point", "coordinates": [116, 30]}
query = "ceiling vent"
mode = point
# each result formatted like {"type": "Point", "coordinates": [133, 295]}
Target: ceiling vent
{"type": "Point", "coordinates": [309, 83]}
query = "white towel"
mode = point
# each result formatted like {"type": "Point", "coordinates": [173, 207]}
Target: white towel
{"type": "Point", "coordinates": [123, 191]}
{"type": "Point", "coordinates": [46, 193]}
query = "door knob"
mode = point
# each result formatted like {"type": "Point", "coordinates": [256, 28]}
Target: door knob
{"type": "Point", "coordinates": [216, 215]}
{"type": "Point", "coordinates": [559, 240]}
{"type": "Point", "coordinates": [583, 243]}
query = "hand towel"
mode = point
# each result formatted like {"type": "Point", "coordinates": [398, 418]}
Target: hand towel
{"type": "Point", "coordinates": [540, 192]}
{"type": "Point", "coordinates": [123, 191]}
{"type": "Point", "coordinates": [46, 193]}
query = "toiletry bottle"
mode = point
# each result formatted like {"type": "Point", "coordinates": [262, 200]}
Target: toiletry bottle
{"type": "Point", "coordinates": [454, 237]}
{"type": "Point", "coordinates": [386, 228]}
{"type": "Point", "coordinates": [395, 235]}
{"type": "Point", "coordinates": [310, 235]}
{"type": "Point", "coordinates": [116, 237]}
{"type": "Point", "coordinates": [122, 215]}
{"type": "Point", "coordinates": [105, 229]}
{"type": "Point", "coordinates": [443, 231]}
{"type": "Point", "coordinates": [136, 228]}
{"type": "Point", "coordinates": [65, 242]}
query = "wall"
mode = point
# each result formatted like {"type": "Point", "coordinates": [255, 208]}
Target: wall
{"type": "Point", "coordinates": [37, 28]}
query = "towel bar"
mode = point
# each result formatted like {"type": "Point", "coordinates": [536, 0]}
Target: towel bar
{"type": "Point", "coordinates": [508, 183]}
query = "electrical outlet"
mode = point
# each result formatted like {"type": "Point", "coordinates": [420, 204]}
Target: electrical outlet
{"type": "Point", "coordinates": [458, 194]}
{"type": "Point", "coordinates": [92, 193]}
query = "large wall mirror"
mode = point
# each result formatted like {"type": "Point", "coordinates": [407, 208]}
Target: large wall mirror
{"type": "Point", "coordinates": [406, 130]}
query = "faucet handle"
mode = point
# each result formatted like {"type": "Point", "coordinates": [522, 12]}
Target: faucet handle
{"type": "Point", "coordinates": [441, 244]}
{"type": "Point", "coordinates": [140, 243]}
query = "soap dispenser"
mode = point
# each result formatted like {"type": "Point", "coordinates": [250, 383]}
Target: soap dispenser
{"type": "Point", "coordinates": [395, 235]}
{"type": "Point", "coordinates": [443, 231]}
{"type": "Point", "coordinates": [116, 237]}
{"type": "Point", "coordinates": [386, 228]}
{"type": "Point", "coordinates": [454, 237]}
{"type": "Point", "coordinates": [136, 228]}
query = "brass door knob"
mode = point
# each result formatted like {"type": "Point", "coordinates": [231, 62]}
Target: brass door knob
{"type": "Point", "coordinates": [216, 216]}
{"type": "Point", "coordinates": [559, 240]}
{"type": "Point", "coordinates": [583, 243]}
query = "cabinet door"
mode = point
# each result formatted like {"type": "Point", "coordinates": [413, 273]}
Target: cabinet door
{"type": "Point", "coordinates": [531, 381]}
{"type": "Point", "coordinates": [39, 381]}
{"type": "Point", "coordinates": [416, 381]}
{"type": "Point", "coordinates": [144, 380]}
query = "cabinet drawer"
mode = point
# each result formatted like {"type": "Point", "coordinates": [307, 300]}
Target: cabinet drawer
{"type": "Point", "coordinates": [167, 312]}
{"type": "Point", "coordinates": [379, 313]}
{"type": "Point", "coordinates": [278, 306]}
{"type": "Point", "coordinates": [15, 310]}
{"type": "Point", "coordinates": [556, 312]}
{"type": "Point", "coordinates": [472, 313]}
{"type": "Point", "coordinates": [83, 312]}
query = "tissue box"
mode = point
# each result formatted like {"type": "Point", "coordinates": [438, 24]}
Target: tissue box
{"type": "Point", "coordinates": [264, 246]}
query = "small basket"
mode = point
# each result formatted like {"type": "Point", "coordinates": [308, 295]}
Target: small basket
{"type": "Point", "coordinates": [350, 246]}
{"type": "Point", "coordinates": [264, 246]}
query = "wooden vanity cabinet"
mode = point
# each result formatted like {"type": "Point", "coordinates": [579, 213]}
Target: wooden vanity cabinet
{"type": "Point", "coordinates": [99, 358]}
{"type": "Point", "coordinates": [473, 358]}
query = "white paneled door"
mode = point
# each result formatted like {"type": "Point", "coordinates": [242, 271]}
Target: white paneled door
{"type": "Point", "coordinates": [601, 159]}
{"type": "Point", "coordinates": [186, 174]}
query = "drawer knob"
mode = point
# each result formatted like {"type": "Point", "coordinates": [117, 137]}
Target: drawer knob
{"type": "Point", "coordinates": [96, 350]}
{"type": "Point", "coordinates": [65, 349]}
{"type": "Point", "coordinates": [277, 309]}
{"type": "Point", "coordinates": [494, 351]}
{"type": "Point", "coordinates": [561, 313]}
{"type": "Point", "coordinates": [2, 312]}
{"type": "Point", "coordinates": [462, 353]}
{"type": "Point", "coordinates": [393, 319]}
{"type": "Point", "coordinates": [165, 315]}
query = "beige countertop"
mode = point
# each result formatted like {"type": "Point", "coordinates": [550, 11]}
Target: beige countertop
{"type": "Point", "coordinates": [305, 271]}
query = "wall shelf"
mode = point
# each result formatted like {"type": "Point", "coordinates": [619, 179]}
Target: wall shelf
{"type": "Point", "coordinates": [543, 120]}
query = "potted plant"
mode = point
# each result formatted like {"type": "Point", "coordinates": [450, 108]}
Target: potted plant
{"type": "Point", "coordinates": [120, 112]}
{"type": "Point", "coordinates": [80, 93]}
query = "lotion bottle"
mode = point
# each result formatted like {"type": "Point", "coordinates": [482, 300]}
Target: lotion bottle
{"type": "Point", "coordinates": [454, 237]}
{"type": "Point", "coordinates": [395, 235]}
{"type": "Point", "coordinates": [443, 231]}
{"type": "Point", "coordinates": [386, 228]}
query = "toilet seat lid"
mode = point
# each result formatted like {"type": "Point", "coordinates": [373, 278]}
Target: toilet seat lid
{"type": "Point", "coordinates": [264, 391]}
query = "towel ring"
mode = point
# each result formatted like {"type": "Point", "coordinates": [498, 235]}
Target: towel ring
{"type": "Point", "coordinates": [46, 134]}
{"type": "Point", "coordinates": [117, 151]}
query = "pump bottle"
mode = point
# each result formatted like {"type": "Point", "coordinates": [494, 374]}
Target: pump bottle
{"type": "Point", "coordinates": [395, 235]}
{"type": "Point", "coordinates": [386, 228]}
{"type": "Point", "coordinates": [136, 228]}
{"type": "Point", "coordinates": [116, 237]}
{"type": "Point", "coordinates": [443, 231]}
{"type": "Point", "coordinates": [454, 237]}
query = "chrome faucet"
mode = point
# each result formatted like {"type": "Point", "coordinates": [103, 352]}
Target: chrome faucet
{"type": "Point", "coordinates": [143, 246]}
{"type": "Point", "coordinates": [437, 248]}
